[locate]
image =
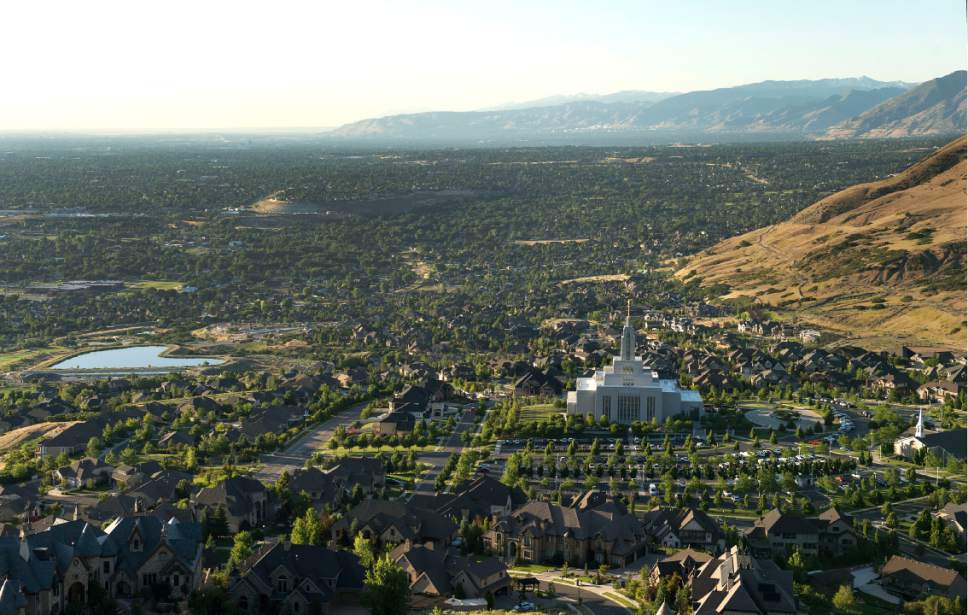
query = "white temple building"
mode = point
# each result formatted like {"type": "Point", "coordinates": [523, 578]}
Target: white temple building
{"type": "Point", "coordinates": [626, 391]}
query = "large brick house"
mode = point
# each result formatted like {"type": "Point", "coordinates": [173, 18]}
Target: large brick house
{"type": "Point", "coordinates": [592, 530]}
{"type": "Point", "coordinates": [287, 578]}
{"type": "Point", "coordinates": [392, 523]}
{"type": "Point", "coordinates": [244, 500]}
{"type": "Point", "coordinates": [778, 534]}
{"type": "Point", "coordinates": [48, 571]}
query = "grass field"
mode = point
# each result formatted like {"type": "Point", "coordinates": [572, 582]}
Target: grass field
{"type": "Point", "coordinates": [158, 284]}
{"type": "Point", "coordinates": [372, 450]}
{"type": "Point", "coordinates": [21, 358]}
{"type": "Point", "coordinates": [530, 568]}
{"type": "Point", "coordinates": [539, 412]}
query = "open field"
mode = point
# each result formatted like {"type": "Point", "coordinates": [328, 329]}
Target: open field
{"type": "Point", "coordinates": [158, 284]}
{"type": "Point", "coordinates": [607, 277]}
{"type": "Point", "coordinates": [539, 412]}
{"type": "Point", "coordinates": [542, 242]}
{"type": "Point", "coordinates": [16, 437]}
{"type": "Point", "coordinates": [21, 358]}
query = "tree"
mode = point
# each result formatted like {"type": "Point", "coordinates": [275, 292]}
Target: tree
{"type": "Point", "coordinates": [795, 563]}
{"type": "Point", "coordinates": [386, 588]}
{"type": "Point", "coordinates": [363, 549]}
{"type": "Point", "coordinates": [242, 546]}
{"type": "Point", "coordinates": [215, 522]}
{"type": "Point", "coordinates": [307, 530]}
{"type": "Point", "coordinates": [844, 599]}
{"type": "Point", "coordinates": [93, 447]}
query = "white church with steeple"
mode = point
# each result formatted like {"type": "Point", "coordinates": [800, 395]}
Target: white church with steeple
{"type": "Point", "coordinates": [627, 391]}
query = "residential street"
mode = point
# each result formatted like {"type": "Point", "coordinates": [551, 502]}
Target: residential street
{"type": "Point", "coordinates": [296, 454]}
{"type": "Point", "coordinates": [437, 458]}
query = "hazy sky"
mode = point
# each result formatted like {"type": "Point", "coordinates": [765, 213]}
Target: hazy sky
{"type": "Point", "coordinates": [209, 64]}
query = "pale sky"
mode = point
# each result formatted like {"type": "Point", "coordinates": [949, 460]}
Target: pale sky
{"type": "Point", "coordinates": [209, 64]}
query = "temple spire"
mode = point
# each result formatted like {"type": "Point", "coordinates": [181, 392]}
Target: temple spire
{"type": "Point", "coordinates": [628, 336]}
{"type": "Point", "coordinates": [919, 428]}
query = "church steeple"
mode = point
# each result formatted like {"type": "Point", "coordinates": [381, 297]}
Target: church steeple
{"type": "Point", "coordinates": [628, 337]}
{"type": "Point", "coordinates": [919, 428]}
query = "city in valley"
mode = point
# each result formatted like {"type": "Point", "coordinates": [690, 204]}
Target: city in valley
{"type": "Point", "coordinates": [690, 351]}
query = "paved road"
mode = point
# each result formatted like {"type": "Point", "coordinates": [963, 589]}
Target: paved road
{"type": "Point", "coordinates": [437, 458]}
{"type": "Point", "coordinates": [296, 454]}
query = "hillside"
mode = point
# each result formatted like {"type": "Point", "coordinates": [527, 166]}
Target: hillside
{"type": "Point", "coordinates": [882, 262]}
{"type": "Point", "coordinates": [769, 107]}
{"type": "Point", "coordinates": [934, 107]}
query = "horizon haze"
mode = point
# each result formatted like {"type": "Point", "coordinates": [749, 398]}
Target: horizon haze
{"type": "Point", "coordinates": [122, 68]}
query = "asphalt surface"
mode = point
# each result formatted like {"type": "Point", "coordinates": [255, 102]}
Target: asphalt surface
{"type": "Point", "coordinates": [296, 454]}
{"type": "Point", "coordinates": [437, 459]}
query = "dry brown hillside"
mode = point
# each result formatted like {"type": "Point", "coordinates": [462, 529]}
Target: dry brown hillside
{"type": "Point", "coordinates": [882, 263]}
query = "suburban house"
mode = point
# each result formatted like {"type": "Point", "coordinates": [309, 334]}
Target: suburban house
{"type": "Point", "coordinates": [125, 476]}
{"type": "Point", "coordinates": [394, 522]}
{"type": "Point", "coordinates": [955, 515]}
{"type": "Point", "coordinates": [736, 583]}
{"type": "Point", "coordinates": [591, 530]}
{"type": "Point", "coordinates": [367, 472]}
{"type": "Point", "coordinates": [914, 579]}
{"type": "Point", "coordinates": [298, 579]}
{"type": "Point", "coordinates": [537, 382]}
{"type": "Point", "coordinates": [441, 572]}
{"type": "Point", "coordinates": [50, 570]}
{"type": "Point", "coordinates": [244, 500]}
{"type": "Point", "coordinates": [777, 534]}
{"type": "Point", "coordinates": [72, 439]}
{"type": "Point", "coordinates": [396, 422]}
{"type": "Point", "coordinates": [684, 527]}
{"type": "Point", "coordinates": [83, 470]}
{"type": "Point", "coordinates": [684, 562]}
{"type": "Point", "coordinates": [482, 498]}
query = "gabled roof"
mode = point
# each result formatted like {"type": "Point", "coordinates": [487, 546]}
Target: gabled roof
{"type": "Point", "coordinates": [479, 495]}
{"type": "Point", "coordinates": [952, 441]}
{"type": "Point", "coordinates": [781, 523]}
{"type": "Point", "coordinates": [318, 564]}
{"type": "Point", "coordinates": [943, 577]}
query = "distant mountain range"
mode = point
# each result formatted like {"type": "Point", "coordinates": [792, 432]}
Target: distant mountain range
{"type": "Point", "coordinates": [824, 108]}
{"type": "Point", "coordinates": [640, 96]}
{"type": "Point", "coordinates": [935, 106]}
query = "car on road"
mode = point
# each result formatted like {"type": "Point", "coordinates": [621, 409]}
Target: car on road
{"type": "Point", "coordinates": [524, 607]}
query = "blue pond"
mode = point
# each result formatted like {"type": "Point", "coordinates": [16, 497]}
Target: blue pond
{"type": "Point", "coordinates": [134, 357]}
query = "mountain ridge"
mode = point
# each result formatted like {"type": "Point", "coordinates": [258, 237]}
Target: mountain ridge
{"type": "Point", "coordinates": [799, 108]}
{"type": "Point", "coordinates": [882, 261]}
{"type": "Point", "coordinates": [931, 107]}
